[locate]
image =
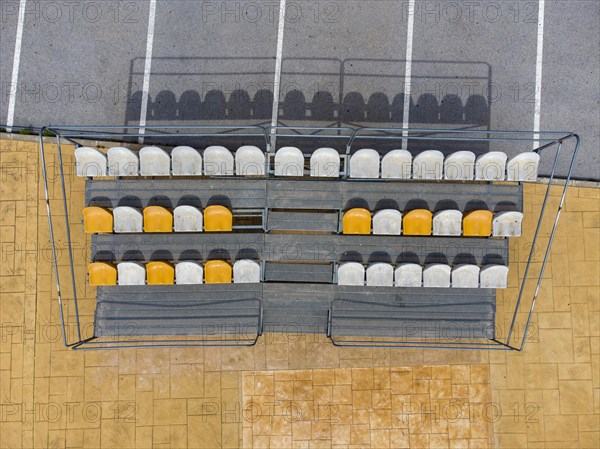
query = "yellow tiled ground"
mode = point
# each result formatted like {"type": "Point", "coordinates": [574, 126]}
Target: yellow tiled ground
{"type": "Point", "coordinates": [547, 396]}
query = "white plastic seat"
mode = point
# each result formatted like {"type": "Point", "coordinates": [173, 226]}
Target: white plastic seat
{"type": "Point", "coordinates": [127, 219]}
{"type": "Point", "coordinates": [387, 222]}
{"type": "Point", "coordinates": [154, 161]}
{"type": "Point", "coordinates": [436, 275]}
{"type": "Point", "coordinates": [131, 273]}
{"type": "Point", "coordinates": [447, 222]}
{"type": "Point", "coordinates": [523, 167]}
{"type": "Point", "coordinates": [187, 219]}
{"type": "Point", "coordinates": [188, 272]}
{"type": "Point", "coordinates": [460, 166]}
{"type": "Point", "coordinates": [493, 276]}
{"type": "Point", "coordinates": [428, 165]}
{"type": "Point", "coordinates": [491, 166]}
{"type": "Point", "coordinates": [325, 163]}
{"type": "Point", "coordinates": [90, 162]}
{"type": "Point", "coordinates": [186, 161]}
{"type": "Point", "coordinates": [289, 161]}
{"type": "Point", "coordinates": [397, 164]}
{"type": "Point", "coordinates": [380, 275]}
{"type": "Point", "coordinates": [465, 276]}
{"type": "Point", "coordinates": [408, 275]}
{"type": "Point", "coordinates": [507, 224]}
{"type": "Point", "coordinates": [249, 161]}
{"type": "Point", "coordinates": [351, 273]}
{"type": "Point", "coordinates": [364, 164]}
{"type": "Point", "coordinates": [246, 271]}
{"type": "Point", "coordinates": [122, 162]}
{"type": "Point", "coordinates": [218, 161]}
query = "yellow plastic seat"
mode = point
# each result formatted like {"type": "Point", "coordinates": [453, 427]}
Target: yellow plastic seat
{"type": "Point", "coordinates": [417, 222]}
{"type": "Point", "coordinates": [97, 219]}
{"type": "Point", "coordinates": [478, 223]}
{"type": "Point", "coordinates": [160, 273]}
{"type": "Point", "coordinates": [218, 219]}
{"type": "Point", "coordinates": [102, 273]}
{"type": "Point", "coordinates": [217, 272]}
{"type": "Point", "coordinates": [158, 219]}
{"type": "Point", "coordinates": [356, 221]}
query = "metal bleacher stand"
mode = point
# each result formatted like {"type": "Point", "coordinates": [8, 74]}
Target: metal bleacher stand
{"type": "Point", "coordinates": [292, 227]}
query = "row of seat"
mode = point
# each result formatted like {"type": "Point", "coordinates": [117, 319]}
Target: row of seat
{"type": "Point", "coordinates": [414, 275]}
{"type": "Point", "coordinates": [164, 273]}
{"type": "Point", "coordinates": [157, 219]}
{"type": "Point", "coordinates": [290, 161]}
{"type": "Point", "coordinates": [477, 223]}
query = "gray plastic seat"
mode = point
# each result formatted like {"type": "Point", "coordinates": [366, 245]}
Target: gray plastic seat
{"type": "Point", "coordinates": [460, 166]}
{"type": "Point", "coordinates": [325, 163]}
{"type": "Point", "coordinates": [127, 219]}
{"type": "Point", "coordinates": [187, 219]}
{"type": "Point", "coordinates": [364, 164]}
{"type": "Point", "coordinates": [523, 167]}
{"type": "Point", "coordinates": [491, 166]}
{"type": "Point", "coordinates": [351, 273]}
{"type": "Point", "coordinates": [408, 275]}
{"type": "Point", "coordinates": [90, 162]}
{"type": "Point", "coordinates": [493, 276]}
{"type": "Point", "coordinates": [218, 161]}
{"type": "Point", "coordinates": [154, 161]}
{"type": "Point", "coordinates": [387, 222]}
{"type": "Point", "coordinates": [186, 161]}
{"type": "Point", "coordinates": [246, 271]}
{"type": "Point", "coordinates": [131, 273]}
{"type": "Point", "coordinates": [397, 164]}
{"type": "Point", "coordinates": [465, 276]}
{"type": "Point", "coordinates": [249, 161]}
{"type": "Point", "coordinates": [122, 162]}
{"type": "Point", "coordinates": [380, 275]}
{"type": "Point", "coordinates": [289, 161]}
{"type": "Point", "coordinates": [428, 165]}
{"type": "Point", "coordinates": [437, 275]}
{"type": "Point", "coordinates": [507, 224]}
{"type": "Point", "coordinates": [189, 272]}
{"type": "Point", "coordinates": [447, 222]}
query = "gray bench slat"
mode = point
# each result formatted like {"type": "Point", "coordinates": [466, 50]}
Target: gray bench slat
{"type": "Point", "coordinates": [302, 221]}
{"type": "Point", "coordinates": [298, 272]}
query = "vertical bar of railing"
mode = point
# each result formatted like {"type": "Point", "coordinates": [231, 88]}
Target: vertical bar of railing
{"type": "Point", "coordinates": [51, 231]}
{"type": "Point", "coordinates": [552, 233]}
{"type": "Point", "coordinates": [533, 245]}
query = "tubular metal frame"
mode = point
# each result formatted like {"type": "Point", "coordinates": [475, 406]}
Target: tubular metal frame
{"type": "Point", "coordinates": [545, 140]}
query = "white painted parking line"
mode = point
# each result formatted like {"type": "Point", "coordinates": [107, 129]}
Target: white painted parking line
{"type": "Point", "coordinates": [408, 70]}
{"type": "Point", "coordinates": [538, 72]}
{"type": "Point", "coordinates": [278, 60]}
{"type": "Point", "coordinates": [10, 118]}
{"type": "Point", "coordinates": [147, 67]}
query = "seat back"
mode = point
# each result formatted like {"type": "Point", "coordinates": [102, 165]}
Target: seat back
{"type": "Point", "coordinates": [494, 276]}
{"type": "Point", "coordinates": [356, 221]}
{"type": "Point", "coordinates": [217, 272]}
{"type": "Point", "coordinates": [289, 161]}
{"type": "Point", "coordinates": [131, 273]}
{"type": "Point", "coordinates": [160, 273]}
{"type": "Point", "coordinates": [187, 219]}
{"type": "Point", "coordinates": [127, 219]}
{"type": "Point", "coordinates": [436, 275]}
{"type": "Point", "coordinates": [417, 222]}
{"type": "Point", "coordinates": [523, 167]}
{"type": "Point", "coordinates": [122, 162]}
{"type": "Point", "coordinates": [218, 161]}
{"type": "Point", "coordinates": [186, 161]}
{"type": "Point", "coordinates": [189, 272]}
{"type": "Point", "coordinates": [380, 275]}
{"type": "Point", "coordinates": [351, 273]}
{"type": "Point", "coordinates": [397, 164]}
{"type": "Point", "coordinates": [408, 275]}
{"type": "Point", "coordinates": [491, 166]}
{"type": "Point", "coordinates": [477, 223]}
{"type": "Point", "coordinates": [246, 271]}
{"type": "Point", "coordinates": [364, 164]}
{"type": "Point", "coordinates": [218, 219]}
{"type": "Point", "coordinates": [447, 222]}
{"type": "Point", "coordinates": [158, 219]}
{"type": "Point", "coordinates": [325, 163]}
{"type": "Point", "coordinates": [507, 224]}
{"type": "Point", "coordinates": [249, 161]}
{"type": "Point", "coordinates": [90, 162]}
{"type": "Point", "coordinates": [97, 220]}
{"type": "Point", "coordinates": [465, 276]}
{"type": "Point", "coordinates": [102, 273]}
{"type": "Point", "coordinates": [460, 166]}
{"type": "Point", "coordinates": [387, 222]}
{"type": "Point", "coordinates": [154, 161]}
{"type": "Point", "coordinates": [428, 165]}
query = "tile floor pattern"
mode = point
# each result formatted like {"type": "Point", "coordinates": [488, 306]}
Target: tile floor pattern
{"type": "Point", "coordinates": [547, 396]}
{"type": "Point", "coordinates": [428, 406]}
